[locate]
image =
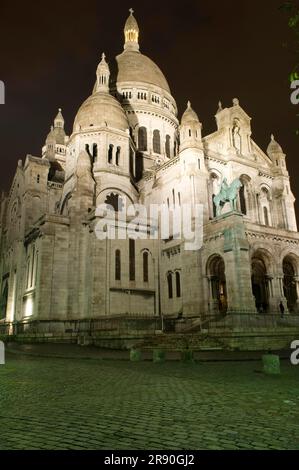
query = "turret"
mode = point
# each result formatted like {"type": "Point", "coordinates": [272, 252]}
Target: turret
{"type": "Point", "coordinates": [190, 129]}
{"type": "Point", "coordinates": [277, 155]}
{"type": "Point", "coordinates": [283, 197]}
{"type": "Point", "coordinates": [55, 146]}
{"type": "Point", "coordinates": [103, 75]}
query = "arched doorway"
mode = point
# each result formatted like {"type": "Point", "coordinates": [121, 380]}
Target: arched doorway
{"type": "Point", "coordinates": [289, 283]}
{"type": "Point", "coordinates": [259, 279]}
{"type": "Point", "coordinates": [216, 270]}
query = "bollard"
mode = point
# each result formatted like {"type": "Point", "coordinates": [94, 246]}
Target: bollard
{"type": "Point", "coordinates": [271, 364]}
{"type": "Point", "coordinates": [158, 355]}
{"type": "Point", "coordinates": [135, 355]}
{"type": "Point", "coordinates": [2, 354]}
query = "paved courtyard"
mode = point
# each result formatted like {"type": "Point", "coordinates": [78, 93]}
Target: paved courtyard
{"type": "Point", "coordinates": [52, 403]}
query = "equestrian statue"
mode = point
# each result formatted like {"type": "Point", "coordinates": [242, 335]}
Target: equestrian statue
{"type": "Point", "coordinates": [227, 194]}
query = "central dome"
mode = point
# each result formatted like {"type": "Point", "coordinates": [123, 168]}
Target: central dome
{"type": "Point", "coordinates": [132, 66]}
{"type": "Point", "coordinates": [101, 109]}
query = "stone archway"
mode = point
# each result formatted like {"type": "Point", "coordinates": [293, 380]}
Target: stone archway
{"type": "Point", "coordinates": [289, 283]}
{"type": "Point", "coordinates": [260, 282]}
{"type": "Point", "coordinates": [217, 277]}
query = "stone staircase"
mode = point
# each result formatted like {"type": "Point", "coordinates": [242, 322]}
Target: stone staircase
{"type": "Point", "coordinates": [199, 341]}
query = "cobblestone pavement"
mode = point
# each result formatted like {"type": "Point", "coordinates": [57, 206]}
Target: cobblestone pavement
{"type": "Point", "coordinates": [55, 403]}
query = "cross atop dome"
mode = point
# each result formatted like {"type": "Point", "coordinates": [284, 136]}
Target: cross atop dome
{"type": "Point", "coordinates": [131, 11]}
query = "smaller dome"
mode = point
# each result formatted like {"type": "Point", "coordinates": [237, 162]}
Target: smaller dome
{"type": "Point", "coordinates": [101, 109]}
{"type": "Point", "coordinates": [274, 146]}
{"type": "Point", "coordinates": [189, 116]}
{"type": "Point", "coordinates": [57, 133]}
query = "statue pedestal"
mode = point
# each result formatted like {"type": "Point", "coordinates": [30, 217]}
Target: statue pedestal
{"type": "Point", "coordinates": [240, 298]}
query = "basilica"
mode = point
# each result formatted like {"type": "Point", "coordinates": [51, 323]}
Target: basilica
{"type": "Point", "coordinates": [128, 146]}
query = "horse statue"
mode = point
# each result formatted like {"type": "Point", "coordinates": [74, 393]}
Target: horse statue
{"type": "Point", "coordinates": [227, 194]}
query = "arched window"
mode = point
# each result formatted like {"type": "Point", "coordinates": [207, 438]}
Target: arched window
{"type": "Point", "coordinates": [167, 146]}
{"type": "Point", "coordinates": [32, 266]}
{"type": "Point", "coordinates": [178, 284]}
{"type": "Point", "coordinates": [118, 156]}
{"type": "Point", "coordinates": [115, 201]}
{"type": "Point", "coordinates": [157, 142]}
{"type": "Point", "coordinates": [110, 154]}
{"type": "Point", "coordinates": [142, 139]}
{"type": "Point", "coordinates": [170, 287]}
{"type": "Point", "coordinates": [132, 159]}
{"type": "Point", "coordinates": [132, 259]}
{"type": "Point", "coordinates": [214, 206]}
{"type": "Point", "coordinates": [242, 200]}
{"type": "Point", "coordinates": [3, 301]}
{"type": "Point", "coordinates": [38, 179]}
{"type": "Point", "coordinates": [145, 267]}
{"type": "Point", "coordinates": [117, 265]}
{"type": "Point", "coordinates": [266, 216]}
{"type": "Point", "coordinates": [94, 152]}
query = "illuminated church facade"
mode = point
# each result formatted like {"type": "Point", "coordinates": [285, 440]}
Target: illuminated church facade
{"type": "Point", "coordinates": [128, 147]}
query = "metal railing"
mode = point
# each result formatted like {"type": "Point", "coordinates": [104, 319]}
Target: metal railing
{"type": "Point", "coordinates": [248, 321]}
{"type": "Point", "coordinates": [149, 325]}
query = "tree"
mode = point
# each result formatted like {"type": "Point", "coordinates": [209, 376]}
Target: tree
{"type": "Point", "coordinates": [291, 8]}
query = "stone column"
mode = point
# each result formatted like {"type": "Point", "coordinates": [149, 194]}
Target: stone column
{"type": "Point", "coordinates": [274, 291]}
{"type": "Point", "coordinates": [279, 295]}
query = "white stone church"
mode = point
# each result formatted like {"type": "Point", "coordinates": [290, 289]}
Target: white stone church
{"type": "Point", "coordinates": [128, 146]}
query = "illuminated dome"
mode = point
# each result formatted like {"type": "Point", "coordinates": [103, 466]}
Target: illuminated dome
{"type": "Point", "coordinates": [101, 109]}
{"type": "Point", "coordinates": [132, 66]}
{"type": "Point", "coordinates": [274, 146]}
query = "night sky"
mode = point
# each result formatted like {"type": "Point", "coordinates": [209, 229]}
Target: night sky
{"type": "Point", "coordinates": [208, 51]}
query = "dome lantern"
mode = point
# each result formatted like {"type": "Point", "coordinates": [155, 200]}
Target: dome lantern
{"type": "Point", "coordinates": [59, 120]}
{"type": "Point", "coordinates": [190, 128]}
{"type": "Point", "coordinates": [103, 75]}
{"type": "Point", "coordinates": [131, 33]}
